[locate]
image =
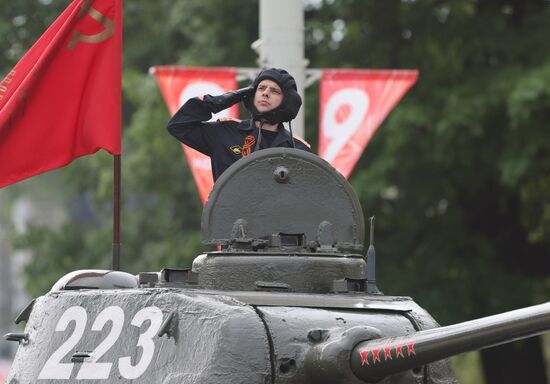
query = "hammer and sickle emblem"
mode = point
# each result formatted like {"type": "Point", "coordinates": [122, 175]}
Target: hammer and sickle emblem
{"type": "Point", "coordinates": [86, 8]}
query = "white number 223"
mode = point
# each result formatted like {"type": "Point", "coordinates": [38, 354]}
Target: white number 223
{"type": "Point", "coordinates": [92, 369]}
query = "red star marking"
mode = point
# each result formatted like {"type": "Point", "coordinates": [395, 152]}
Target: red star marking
{"type": "Point", "coordinates": [399, 350]}
{"type": "Point", "coordinates": [376, 355]}
{"type": "Point", "coordinates": [365, 357]}
{"type": "Point", "coordinates": [387, 352]}
{"type": "Point", "coordinates": [410, 348]}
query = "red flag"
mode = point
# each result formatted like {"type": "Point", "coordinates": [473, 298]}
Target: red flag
{"type": "Point", "coordinates": [179, 84]}
{"type": "Point", "coordinates": [353, 104]}
{"type": "Point", "coordinates": [63, 99]}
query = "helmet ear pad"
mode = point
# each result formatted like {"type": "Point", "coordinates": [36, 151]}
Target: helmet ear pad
{"type": "Point", "coordinates": [290, 106]}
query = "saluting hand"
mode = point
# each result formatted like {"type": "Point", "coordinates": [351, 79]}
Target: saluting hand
{"type": "Point", "coordinates": [221, 102]}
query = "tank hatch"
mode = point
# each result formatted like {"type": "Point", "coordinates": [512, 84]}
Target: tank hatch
{"type": "Point", "coordinates": [283, 198]}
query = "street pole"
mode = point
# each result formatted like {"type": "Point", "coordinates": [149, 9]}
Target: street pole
{"type": "Point", "coordinates": [281, 44]}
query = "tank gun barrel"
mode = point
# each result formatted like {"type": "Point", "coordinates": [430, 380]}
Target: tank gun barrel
{"type": "Point", "coordinates": [375, 359]}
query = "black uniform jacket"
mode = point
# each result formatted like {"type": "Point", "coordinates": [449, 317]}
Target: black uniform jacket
{"type": "Point", "coordinates": [224, 141]}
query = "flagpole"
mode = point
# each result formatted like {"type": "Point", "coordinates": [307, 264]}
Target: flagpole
{"type": "Point", "coordinates": [116, 213]}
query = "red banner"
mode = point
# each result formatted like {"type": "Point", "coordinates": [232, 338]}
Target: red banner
{"type": "Point", "coordinates": [353, 104]}
{"type": "Point", "coordinates": [179, 84]}
{"type": "Point", "coordinates": [63, 99]}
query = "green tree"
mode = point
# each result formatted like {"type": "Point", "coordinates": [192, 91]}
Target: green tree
{"type": "Point", "coordinates": [457, 176]}
{"type": "Point", "coordinates": [161, 208]}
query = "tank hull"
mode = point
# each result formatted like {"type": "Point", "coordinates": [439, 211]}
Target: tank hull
{"type": "Point", "coordinates": [184, 336]}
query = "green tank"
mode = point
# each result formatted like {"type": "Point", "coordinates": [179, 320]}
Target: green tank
{"type": "Point", "coordinates": [289, 297]}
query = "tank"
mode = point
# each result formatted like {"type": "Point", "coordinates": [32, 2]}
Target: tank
{"type": "Point", "coordinates": [290, 296]}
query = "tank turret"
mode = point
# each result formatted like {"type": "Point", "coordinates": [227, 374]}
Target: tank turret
{"type": "Point", "coordinates": [288, 297]}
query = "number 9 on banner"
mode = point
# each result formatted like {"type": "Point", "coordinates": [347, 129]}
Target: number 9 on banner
{"type": "Point", "coordinates": [343, 114]}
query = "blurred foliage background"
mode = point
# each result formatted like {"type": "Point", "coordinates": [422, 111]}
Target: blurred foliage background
{"type": "Point", "coordinates": [458, 175]}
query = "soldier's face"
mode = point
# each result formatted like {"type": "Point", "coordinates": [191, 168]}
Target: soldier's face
{"type": "Point", "coordinates": [268, 96]}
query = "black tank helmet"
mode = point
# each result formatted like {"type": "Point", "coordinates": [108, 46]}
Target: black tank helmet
{"type": "Point", "coordinates": [291, 99]}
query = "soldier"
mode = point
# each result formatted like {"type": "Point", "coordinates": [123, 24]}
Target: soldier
{"type": "Point", "coordinates": [272, 99]}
